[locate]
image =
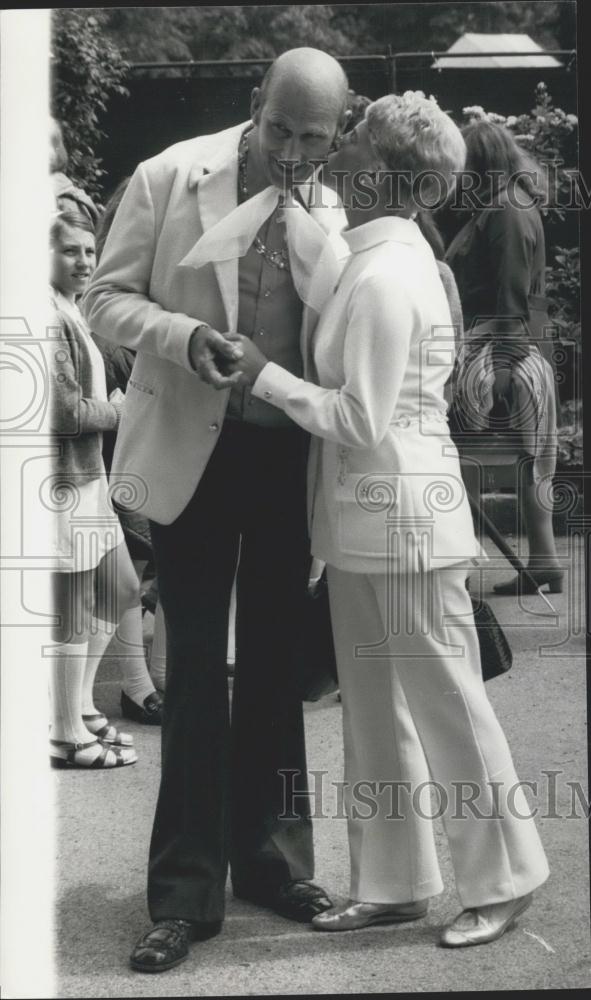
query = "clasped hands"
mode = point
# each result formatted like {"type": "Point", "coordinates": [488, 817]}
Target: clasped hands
{"type": "Point", "coordinates": [225, 359]}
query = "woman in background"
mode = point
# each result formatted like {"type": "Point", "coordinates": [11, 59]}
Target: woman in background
{"type": "Point", "coordinates": [504, 378]}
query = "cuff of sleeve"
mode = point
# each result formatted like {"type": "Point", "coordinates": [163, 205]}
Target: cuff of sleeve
{"type": "Point", "coordinates": [116, 418]}
{"type": "Point", "coordinates": [275, 384]}
{"type": "Point", "coordinates": [118, 413]}
{"type": "Point", "coordinates": [188, 329]}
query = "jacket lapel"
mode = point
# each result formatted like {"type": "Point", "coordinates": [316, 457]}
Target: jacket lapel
{"type": "Point", "coordinates": [216, 197]}
{"type": "Point", "coordinates": [216, 181]}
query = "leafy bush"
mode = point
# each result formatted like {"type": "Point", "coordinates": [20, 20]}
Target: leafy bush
{"type": "Point", "coordinates": [563, 288]}
{"type": "Point", "coordinates": [570, 434]}
{"type": "Point", "coordinates": [87, 69]}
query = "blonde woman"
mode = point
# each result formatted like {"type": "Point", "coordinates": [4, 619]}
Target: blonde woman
{"type": "Point", "coordinates": [390, 517]}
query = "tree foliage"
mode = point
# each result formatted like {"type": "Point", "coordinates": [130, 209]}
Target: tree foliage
{"type": "Point", "coordinates": [87, 68]}
{"type": "Point", "coordinates": [437, 25]}
{"type": "Point", "coordinates": [183, 33]}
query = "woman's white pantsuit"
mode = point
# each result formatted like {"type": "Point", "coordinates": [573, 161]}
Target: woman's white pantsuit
{"type": "Point", "coordinates": [390, 517]}
{"type": "Point", "coordinates": [426, 679]}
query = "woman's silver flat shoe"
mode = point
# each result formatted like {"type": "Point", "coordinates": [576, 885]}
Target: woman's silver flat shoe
{"type": "Point", "coordinates": [357, 915]}
{"type": "Point", "coordinates": [483, 923]}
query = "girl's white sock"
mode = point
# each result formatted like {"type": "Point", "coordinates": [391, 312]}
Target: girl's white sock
{"type": "Point", "coordinates": [67, 672]}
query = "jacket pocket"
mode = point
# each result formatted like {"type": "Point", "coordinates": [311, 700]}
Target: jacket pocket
{"type": "Point", "coordinates": [149, 390]}
{"type": "Point", "coordinates": [371, 491]}
{"type": "Point", "coordinates": [365, 502]}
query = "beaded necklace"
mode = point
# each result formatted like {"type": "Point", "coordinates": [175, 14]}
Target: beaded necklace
{"type": "Point", "coordinates": [277, 258]}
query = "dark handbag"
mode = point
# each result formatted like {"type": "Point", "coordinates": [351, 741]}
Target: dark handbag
{"type": "Point", "coordinates": [495, 652]}
{"type": "Point", "coordinates": [316, 666]}
{"type": "Point", "coordinates": [315, 661]}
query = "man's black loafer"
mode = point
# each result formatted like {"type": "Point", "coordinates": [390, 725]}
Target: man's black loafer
{"type": "Point", "coordinates": [149, 714]}
{"type": "Point", "coordinates": [166, 944]}
{"type": "Point", "coordinates": [298, 900]}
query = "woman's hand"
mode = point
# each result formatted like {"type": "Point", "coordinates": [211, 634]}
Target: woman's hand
{"type": "Point", "coordinates": [251, 363]}
{"type": "Point", "coordinates": [117, 399]}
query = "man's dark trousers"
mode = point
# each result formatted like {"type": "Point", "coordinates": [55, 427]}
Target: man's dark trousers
{"type": "Point", "coordinates": [221, 789]}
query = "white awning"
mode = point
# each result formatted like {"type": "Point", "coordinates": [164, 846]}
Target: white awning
{"type": "Point", "coordinates": [486, 47]}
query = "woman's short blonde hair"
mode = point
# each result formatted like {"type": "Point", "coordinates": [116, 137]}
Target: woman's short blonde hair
{"type": "Point", "coordinates": [414, 137]}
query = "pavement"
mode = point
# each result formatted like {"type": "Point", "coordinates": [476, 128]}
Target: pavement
{"type": "Point", "coordinates": [105, 822]}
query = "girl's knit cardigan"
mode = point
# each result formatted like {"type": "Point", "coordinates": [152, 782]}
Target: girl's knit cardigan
{"type": "Point", "coordinates": [76, 418]}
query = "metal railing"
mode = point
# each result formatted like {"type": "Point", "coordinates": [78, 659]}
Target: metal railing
{"type": "Point", "coordinates": [389, 61]}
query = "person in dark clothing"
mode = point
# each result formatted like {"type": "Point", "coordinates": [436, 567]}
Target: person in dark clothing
{"type": "Point", "coordinates": [504, 379]}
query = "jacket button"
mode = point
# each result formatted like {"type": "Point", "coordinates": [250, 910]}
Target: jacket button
{"type": "Point", "coordinates": [267, 394]}
{"type": "Point", "coordinates": [403, 422]}
{"type": "Point", "coordinates": [214, 427]}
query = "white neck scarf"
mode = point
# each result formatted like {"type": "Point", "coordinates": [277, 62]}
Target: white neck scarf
{"type": "Point", "coordinates": [314, 264]}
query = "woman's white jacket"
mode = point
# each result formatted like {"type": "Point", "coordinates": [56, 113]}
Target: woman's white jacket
{"type": "Point", "coordinates": [385, 490]}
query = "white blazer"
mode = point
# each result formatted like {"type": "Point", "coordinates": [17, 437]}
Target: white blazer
{"type": "Point", "coordinates": [385, 487]}
{"type": "Point", "coordinates": [143, 296]}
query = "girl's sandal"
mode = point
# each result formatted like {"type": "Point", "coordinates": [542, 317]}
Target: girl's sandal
{"type": "Point", "coordinates": [65, 755]}
{"type": "Point", "coordinates": [100, 727]}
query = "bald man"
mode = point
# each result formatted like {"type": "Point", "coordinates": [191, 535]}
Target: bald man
{"type": "Point", "coordinates": [221, 475]}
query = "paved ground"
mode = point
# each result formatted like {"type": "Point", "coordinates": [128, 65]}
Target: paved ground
{"type": "Point", "coordinates": [105, 821]}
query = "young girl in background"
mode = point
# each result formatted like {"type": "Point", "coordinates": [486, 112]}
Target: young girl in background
{"type": "Point", "coordinates": [93, 579]}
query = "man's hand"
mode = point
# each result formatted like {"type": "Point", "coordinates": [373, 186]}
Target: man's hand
{"type": "Point", "coordinates": [252, 362]}
{"type": "Point", "coordinates": [208, 349]}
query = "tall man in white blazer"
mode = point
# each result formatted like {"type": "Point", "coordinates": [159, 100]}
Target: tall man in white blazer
{"type": "Point", "coordinates": [221, 475]}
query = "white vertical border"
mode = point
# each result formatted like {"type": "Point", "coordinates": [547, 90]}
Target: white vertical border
{"type": "Point", "coordinates": [27, 828]}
